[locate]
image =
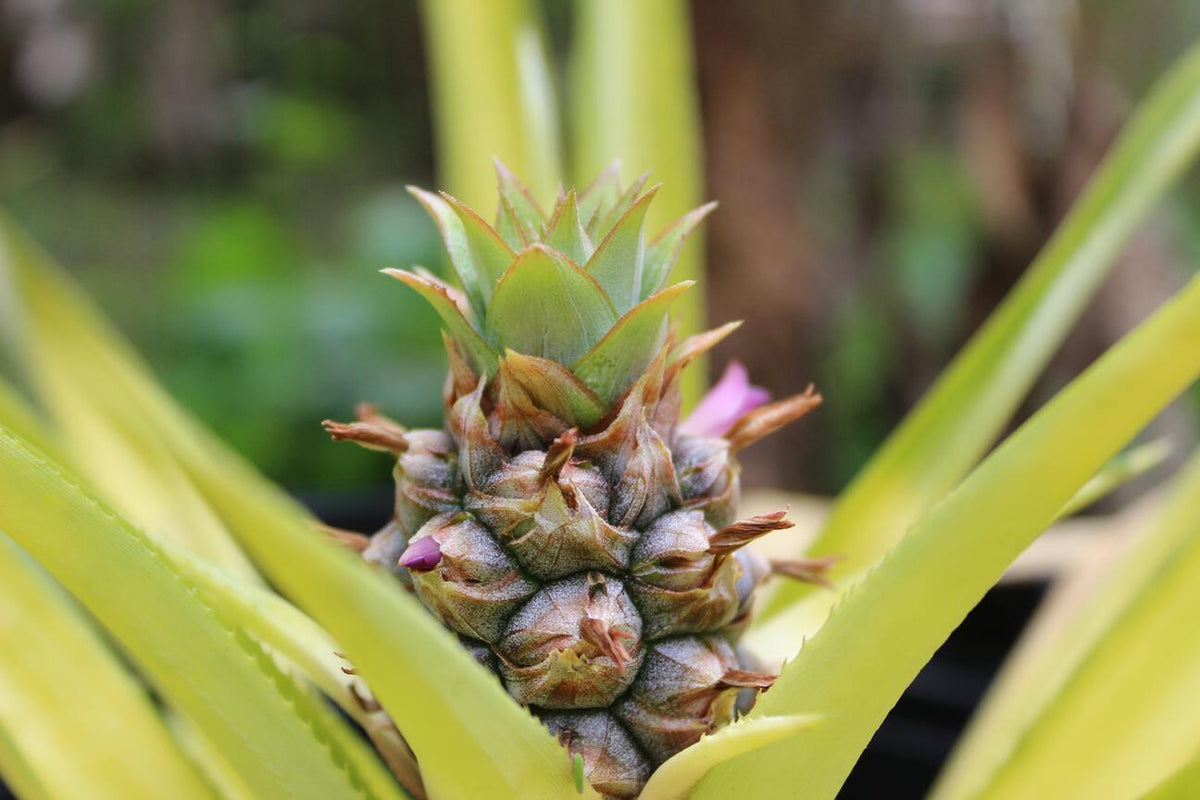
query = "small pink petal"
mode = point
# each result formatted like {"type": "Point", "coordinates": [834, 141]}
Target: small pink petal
{"type": "Point", "coordinates": [422, 555]}
{"type": "Point", "coordinates": [725, 403]}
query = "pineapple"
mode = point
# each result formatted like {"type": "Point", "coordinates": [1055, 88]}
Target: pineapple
{"type": "Point", "coordinates": [578, 538]}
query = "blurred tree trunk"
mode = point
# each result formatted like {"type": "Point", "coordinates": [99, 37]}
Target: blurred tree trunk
{"type": "Point", "coordinates": [184, 69]}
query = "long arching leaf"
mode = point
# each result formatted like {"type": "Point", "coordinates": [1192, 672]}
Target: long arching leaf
{"type": "Point", "coordinates": [209, 670]}
{"type": "Point", "coordinates": [676, 777]}
{"type": "Point", "coordinates": [17, 773]}
{"type": "Point", "coordinates": [312, 653]}
{"type": "Point", "coordinates": [1184, 784]}
{"type": "Point", "coordinates": [63, 341]}
{"type": "Point", "coordinates": [1114, 709]}
{"type": "Point", "coordinates": [775, 641]}
{"type": "Point", "coordinates": [959, 418]}
{"type": "Point", "coordinates": [1078, 612]}
{"type": "Point", "coordinates": [492, 96]}
{"type": "Point", "coordinates": [886, 628]}
{"type": "Point", "coordinates": [77, 724]}
{"type": "Point", "coordinates": [18, 417]}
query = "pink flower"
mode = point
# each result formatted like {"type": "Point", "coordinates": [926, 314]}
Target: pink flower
{"type": "Point", "coordinates": [422, 554]}
{"type": "Point", "coordinates": [726, 403]}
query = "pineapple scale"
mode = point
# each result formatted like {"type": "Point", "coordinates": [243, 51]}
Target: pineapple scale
{"type": "Point", "coordinates": [582, 572]}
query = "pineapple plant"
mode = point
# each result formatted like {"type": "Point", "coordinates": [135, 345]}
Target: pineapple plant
{"type": "Point", "coordinates": [569, 543]}
{"type": "Point", "coordinates": [580, 539]}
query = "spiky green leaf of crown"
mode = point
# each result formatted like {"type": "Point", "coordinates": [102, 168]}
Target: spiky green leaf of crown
{"type": "Point", "coordinates": [583, 287]}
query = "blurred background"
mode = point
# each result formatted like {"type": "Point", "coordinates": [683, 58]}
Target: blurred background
{"type": "Point", "coordinates": [226, 178]}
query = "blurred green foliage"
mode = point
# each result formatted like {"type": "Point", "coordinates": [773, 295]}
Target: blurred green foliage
{"type": "Point", "coordinates": [225, 179]}
{"type": "Point", "coordinates": [227, 204]}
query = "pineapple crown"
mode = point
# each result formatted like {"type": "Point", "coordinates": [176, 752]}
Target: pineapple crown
{"type": "Point", "coordinates": [577, 298]}
{"type": "Point", "coordinates": [582, 538]}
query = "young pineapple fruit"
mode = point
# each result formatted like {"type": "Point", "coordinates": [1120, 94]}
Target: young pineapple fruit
{"type": "Point", "coordinates": [578, 538]}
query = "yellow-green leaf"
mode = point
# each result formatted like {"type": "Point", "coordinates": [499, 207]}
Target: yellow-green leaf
{"type": "Point", "coordinates": [680, 773]}
{"type": "Point", "coordinates": [1068, 626]}
{"type": "Point", "coordinates": [18, 417]}
{"type": "Point", "coordinates": [288, 632]}
{"type": "Point", "coordinates": [520, 218]}
{"type": "Point", "coordinates": [226, 783]}
{"type": "Point", "coordinates": [74, 717]}
{"type": "Point", "coordinates": [1116, 709]}
{"type": "Point", "coordinates": [67, 349]}
{"type": "Point", "coordinates": [483, 357]}
{"type": "Point", "coordinates": [1122, 469]}
{"type": "Point", "coordinates": [777, 638]}
{"type": "Point", "coordinates": [565, 231]}
{"type": "Point", "coordinates": [203, 665]}
{"type": "Point", "coordinates": [1184, 784]}
{"type": "Point", "coordinates": [17, 773]}
{"type": "Point", "coordinates": [477, 254]}
{"type": "Point", "coordinates": [664, 251]}
{"type": "Point", "coordinates": [553, 387]}
{"type": "Point", "coordinates": [886, 628]}
{"type": "Point", "coordinates": [959, 418]}
{"type": "Point", "coordinates": [601, 194]}
{"type": "Point", "coordinates": [492, 95]}
{"type": "Point", "coordinates": [470, 737]}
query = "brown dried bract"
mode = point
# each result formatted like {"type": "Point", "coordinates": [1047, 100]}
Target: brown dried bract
{"type": "Point", "coordinates": [352, 540]}
{"type": "Point", "coordinates": [746, 679]}
{"type": "Point", "coordinates": [373, 430]}
{"type": "Point", "coordinates": [739, 534]}
{"type": "Point", "coordinates": [808, 570]}
{"type": "Point", "coordinates": [557, 455]}
{"type": "Point", "coordinates": [608, 640]}
{"type": "Point", "coordinates": [764, 421]}
{"type": "Point", "coordinates": [460, 378]}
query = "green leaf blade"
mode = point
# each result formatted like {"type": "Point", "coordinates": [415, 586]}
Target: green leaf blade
{"type": "Point", "coordinates": [676, 777]}
{"type": "Point", "coordinates": [643, 110]}
{"type": "Point", "coordinates": [78, 722]}
{"type": "Point", "coordinates": [493, 95]}
{"type": "Point", "coordinates": [663, 253]}
{"type": "Point", "coordinates": [1114, 707]}
{"type": "Point", "coordinates": [419, 672]}
{"type": "Point", "coordinates": [483, 358]}
{"type": "Point", "coordinates": [471, 739]}
{"type": "Point", "coordinates": [18, 417]}
{"type": "Point", "coordinates": [553, 388]}
{"type": "Point", "coordinates": [619, 260]}
{"type": "Point", "coordinates": [311, 652]}
{"type": "Point", "coordinates": [1183, 784]}
{"type": "Point", "coordinates": [619, 358]}
{"type": "Point", "coordinates": [887, 627]}
{"type": "Point", "coordinates": [519, 211]}
{"type": "Point", "coordinates": [68, 351]}
{"type": "Point", "coordinates": [958, 419]}
{"type": "Point", "coordinates": [545, 306]}
{"type": "Point", "coordinates": [217, 678]}
{"type": "Point", "coordinates": [565, 232]}
{"type": "Point", "coordinates": [1124, 468]}
{"type": "Point", "coordinates": [477, 254]}
{"type": "Point", "coordinates": [602, 193]}
{"type": "Point", "coordinates": [1070, 622]}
